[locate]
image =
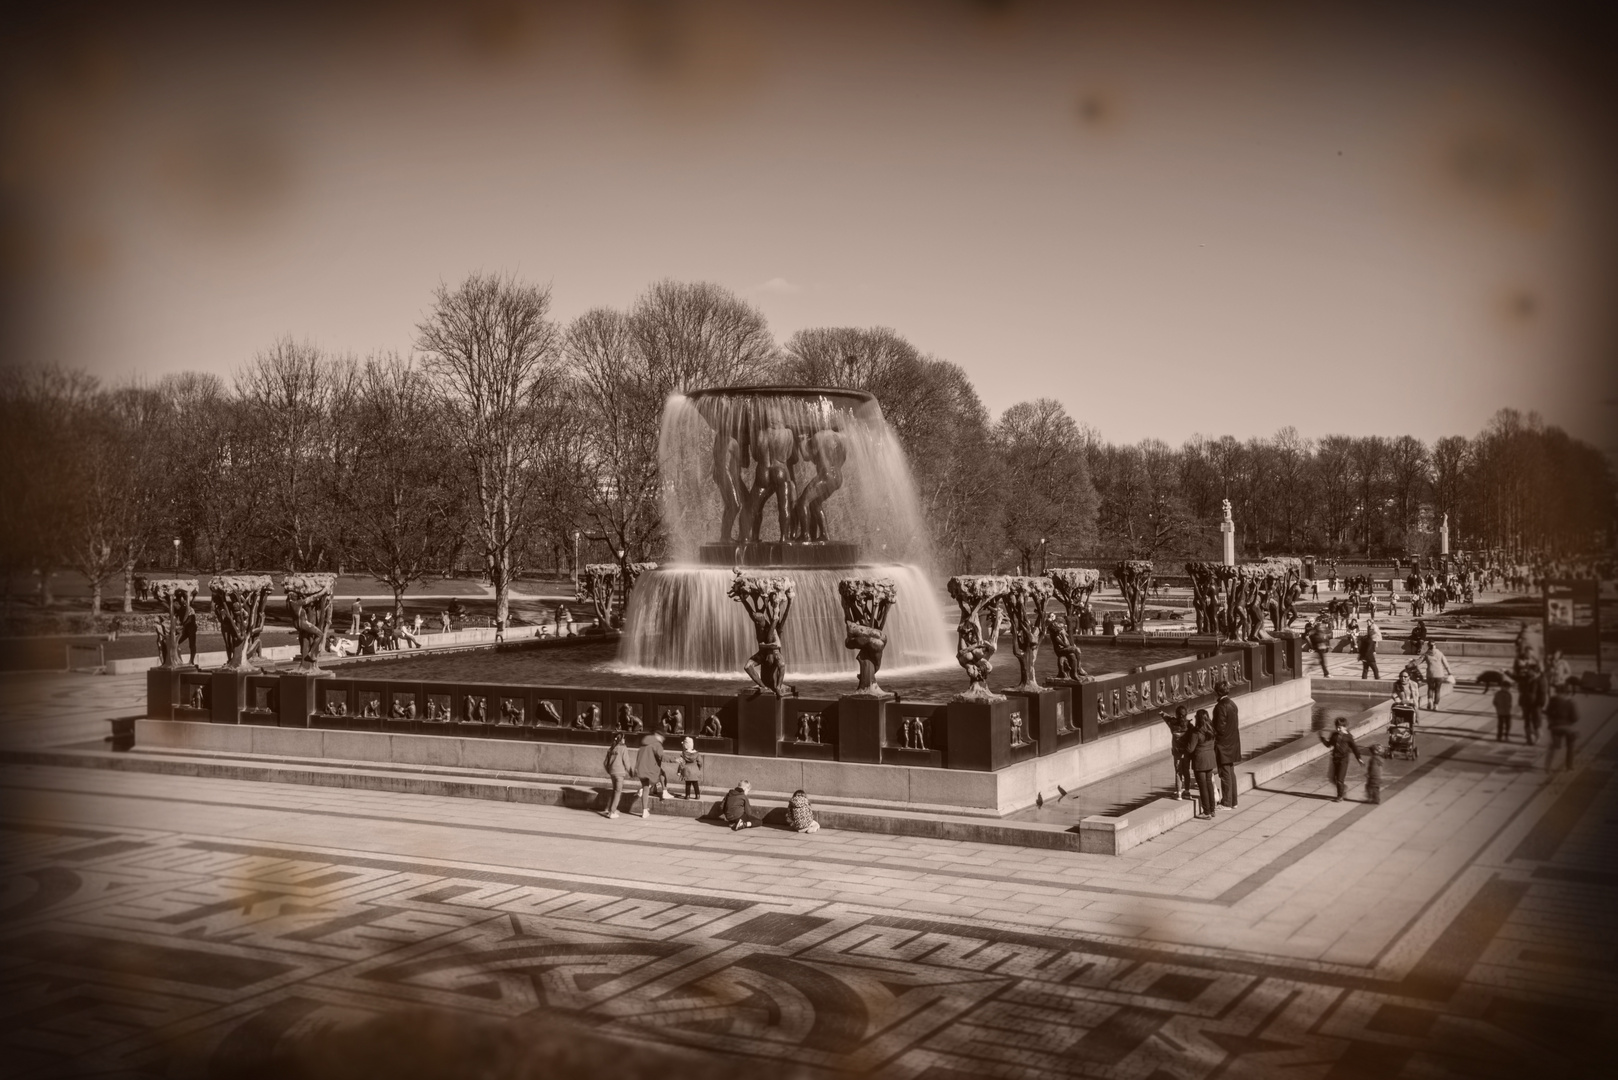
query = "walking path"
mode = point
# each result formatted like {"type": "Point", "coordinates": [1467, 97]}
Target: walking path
{"type": "Point", "coordinates": [1460, 928]}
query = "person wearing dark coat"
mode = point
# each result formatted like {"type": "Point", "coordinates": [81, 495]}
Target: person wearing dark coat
{"type": "Point", "coordinates": [1227, 743]}
{"type": "Point", "coordinates": [649, 770]}
{"type": "Point", "coordinates": [1341, 743]}
{"type": "Point", "coordinates": [1531, 696]}
{"type": "Point", "coordinates": [737, 810]}
{"type": "Point", "coordinates": [1561, 717]}
{"type": "Point", "coordinates": [1200, 737]}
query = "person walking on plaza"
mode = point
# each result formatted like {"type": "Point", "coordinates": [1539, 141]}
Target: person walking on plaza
{"type": "Point", "coordinates": [1227, 743]}
{"type": "Point", "coordinates": [1204, 758]}
{"type": "Point", "coordinates": [1341, 744]}
{"type": "Point", "coordinates": [1438, 673]}
{"type": "Point", "coordinates": [1320, 641]}
{"type": "Point", "coordinates": [1367, 647]}
{"type": "Point", "coordinates": [618, 769]}
{"type": "Point", "coordinates": [1531, 696]}
{"type": "Point", "coordinates": [1373, 775]}
{"type": "Point", "coordinates": [1502, 713]}
{"type": "Point", "coordinates": [1178, 729]}
{"type": "Point", "coordinates": [355, 615]}
{"type": "Point", "coordinates": [1561, 717]}
{"type": "Point", "coordinates": [649, 770]}
{"type": "Point", "coordinates": [1557, 669]}
{"type": "Point", "coordinates": [690, 769]}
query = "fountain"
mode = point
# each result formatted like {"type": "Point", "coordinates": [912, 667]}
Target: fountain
{"type": "Point", "coordinates": [799, 482]}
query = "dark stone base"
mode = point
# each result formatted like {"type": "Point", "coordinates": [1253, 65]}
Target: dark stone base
{"type": "Point", "coordinates": [813, 751]}
{"type": "Point", "coordinates": [929, 759]}
{"type": "Point", "coordinates": [860, 725]}
{"type": "Point", "coordinates": [980, 734]}
{"type": "Point", "coordinates": [227, 696]}
{"type": "Point", "coordinates": [715, 746]}
{"type": "Point", "coordinates": [774, 553]}
{"type": "Point", "coordinates": [1049, 717]}
{"type": "Point", "coordinates": [162, 691]}
{"type": "Point", "coordinates": [758, 724]}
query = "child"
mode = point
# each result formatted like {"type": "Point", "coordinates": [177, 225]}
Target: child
{"type": "Point", "coordinates": [737, 809]}
{"type": "Point", "coordinates": [799, 814]}
{"type": "Point", "coordinates": [1502, 712]}
{"type": "Point", "coordinates": [690, 769]}
{"type": "Point", "coordinates": [1373, 775]}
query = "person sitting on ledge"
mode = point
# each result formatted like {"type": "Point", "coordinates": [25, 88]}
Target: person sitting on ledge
{"type": "Point", "coordinates": [1107, 624]}
{"type": "Point", "coordinates": [737, 810]}
{"type": "Point", "coordinates": [800, 815]}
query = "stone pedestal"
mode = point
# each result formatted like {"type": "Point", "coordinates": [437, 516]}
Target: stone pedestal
{"type": "Point", "coordinates": [758, 724]}
{"type": "Point", "coordinates": [980, 734]}
{"type": "Point", "coordinates": [162, 691]}
{"type": "Point", "coordinates": [861, 725]}
{"type": "Point", "coordinates": [1050, 714]}
{"type": "Point", "coordinates": [227, 696]}
{"type": "Point", "coordinates": [1227, 532]}
{"type": "Point", "coordinates": [298, 697]}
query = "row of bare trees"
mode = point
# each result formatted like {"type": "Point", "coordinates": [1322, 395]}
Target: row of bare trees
{"type": "Point", "coordinates": [505, 435]}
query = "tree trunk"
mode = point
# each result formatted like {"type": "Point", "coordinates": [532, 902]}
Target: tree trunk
{"type": "Point", "coordinates": [398, 602]}
{"type": "Point", "coordinates": [95, 598]}
{"type": "Point", "coordinates": [129, 587]}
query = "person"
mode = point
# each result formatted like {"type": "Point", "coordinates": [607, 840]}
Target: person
{"type": "Point", "coordinates": [618, 768]}
{"type": "Point", "coordinates": [1107, 624]}
{"type": "Point", "coordinates": [690, 769]}
{"type": "Point", "coordinates": [1204, 758]}
{"type": "Point", "coordinates": [736, 809]}
{"type": "Point", "coordinates": [402, 631]}
{"type": "Point", "coordinates": [1227, 743]}
{"type": "Point", "coordinates": [649, 771]}
{"type": "Point", "coordinates": [1438, 673]}
{"type": "Point", "coordinates": [1367, 647]}
{"type": "Point", "coordinates": [1531, 697]}
{"type": "Point", "coordinates": [1319, 641]}
{"type": "Point", "coordinates": [1373, 774]}
{"type": "Point", "coordinates": [444, 623]}
{"type": "Point", "coordinates": [1418, 635]}
{"type": "Point", "coordinates": [1502, 712]}
{"type": "Point", "coordinates": [564, 622]}
{"type": "Point", "coordinates": [355, 615]}
{"type": "Point", "coordinates": [1561, 717]}
{"type": "Point", "coordinates": [1341, 744]}
{"type": "Point", "coordinates": [800, 815]}
{"type": "Point", "coordinates": [1404, 691]}
{"type": "Point", "coordinates": [1178, 727]}
{"type": "Point", "coordinates": [1087, 619]}
{"type": "Point", "coordinates": [1314, 589]}
{"type": "Point", "coordinates": [1557, 669]}
{"type": "Point", "coordinates": [415, 628]}
{"type": "Point", "coordinates": [367, 640]}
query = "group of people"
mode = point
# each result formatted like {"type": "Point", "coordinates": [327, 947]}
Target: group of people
{"type": "Point", "coordinates": [645, 767]}
{"type": "Point", "coordinates": [1545, 695]}
{"type": "Point", "coordinates": [1203, 746]}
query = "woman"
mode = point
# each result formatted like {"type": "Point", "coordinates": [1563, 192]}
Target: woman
{"type": "Point", "coordinates": [618, 768]}
{"type": "Point", "coordinates": [1404, 693]}
{"type": "Point", "coordinates": [690, 769]}
{"type": "Point", "coordinates": [800, 815]}
{"type": "Point", "coordinates": [1438, 673]}
{"type": "Point", "coordinates": [1203, 761]}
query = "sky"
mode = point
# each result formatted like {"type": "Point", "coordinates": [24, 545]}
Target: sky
{"type": "Point", "coordinates": [1172, 220]}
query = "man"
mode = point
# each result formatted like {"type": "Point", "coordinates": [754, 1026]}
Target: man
{"type": "Point", "coordinates": [1227, 743]}
{"type": "Point", "coordinates": [1367, 645]}
{"type": "Point", "coordinates": [356, 614]}
{"type": "Point", "coordinates": [1319, 641]}
{"type": "Point", "coordinates": [1341, 744]}
{"type": "Point", "coordinates": [1531, 697]}
{"type": "Point", "coordinates": [1561, 716]}
{"type": "Point", "coordinates": [1179, 751]}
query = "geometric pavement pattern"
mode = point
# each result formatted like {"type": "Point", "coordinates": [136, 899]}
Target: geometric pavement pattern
{"type": "Point", "coordinates": [124, 951]}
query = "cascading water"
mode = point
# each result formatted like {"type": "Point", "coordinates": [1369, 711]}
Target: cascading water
{"type": "Point", "coordinates": [806, 483]}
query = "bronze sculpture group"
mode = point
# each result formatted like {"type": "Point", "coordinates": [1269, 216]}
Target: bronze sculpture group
{"type": "Point", "coordinates": [1234, 601]}
{"type": "Point", "coordinates": [979, 597]}
{"type": "Point", "coordinates": [866, 602]}
{"type": "Point", "coordinates": [772, 447]}
{"type": "Point", "coordinates": [767, 601]}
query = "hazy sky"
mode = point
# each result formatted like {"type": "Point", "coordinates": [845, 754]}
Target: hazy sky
{"type": "Point", "coordinates": [1170, 221]}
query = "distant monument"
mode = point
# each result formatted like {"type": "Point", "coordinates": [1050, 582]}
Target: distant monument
{"type": "Point", "coordinates": [1227, 529]}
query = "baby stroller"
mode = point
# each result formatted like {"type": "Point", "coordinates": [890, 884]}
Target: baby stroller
{"type": "Point", "coordinates": [1402, 732]}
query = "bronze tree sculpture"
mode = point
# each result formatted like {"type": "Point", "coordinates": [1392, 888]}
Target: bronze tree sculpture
{"type": "Point", "coordinates": [238, 604]}
{"type": "Point", "coordinates": [1024, 603]}
{"type": "Point", "coordinates": [866, 602]}
{"type": "Point", "coordinates": [978, 596]}
{"type": "Point", "coordinates": [767, 601]}
{"type": "Point", "coordinates": [178, 624]}
{"type": "Point", "coordinates": [309, 600]}
{"type": "Point", "coordinates": [1134, 580]}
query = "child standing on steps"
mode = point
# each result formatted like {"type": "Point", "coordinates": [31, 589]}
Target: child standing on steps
{"type": "Point", "coordinates": [690, 769]}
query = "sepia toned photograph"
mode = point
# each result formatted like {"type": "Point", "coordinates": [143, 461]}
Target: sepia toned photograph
{"type": "Point", "coordinates": [917, 539]}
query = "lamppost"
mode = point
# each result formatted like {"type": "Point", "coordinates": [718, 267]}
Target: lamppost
{"type": "Point", "coordinates": [1041, 554]}
{"type": "Point", "coordinates": [575, 561]}
{"type": "Point", "coordinates": [176, 553]}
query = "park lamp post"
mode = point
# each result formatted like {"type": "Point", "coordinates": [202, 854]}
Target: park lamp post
{"type": "Point", "coordinates": [1041, 554]}
{"type": "Point", "coordinates": [575, 560]}
{"type": "Point", "coordinates": [176, 553]}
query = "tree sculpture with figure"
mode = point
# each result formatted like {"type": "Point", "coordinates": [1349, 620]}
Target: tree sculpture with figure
{"type": "Point", "coordinates": [1283, 606]}
{"type": "Point", "coordinates": [979, 596]}
{"type": "Point", "coordinates": [238, 604]}
{"type": "Point", "coordinates": [1134, 580]}
{"type": "Point", "coordinates": [597, 582]}
{"type": "Point", "coordinates": [1024, 603]}
{"type": "Point", "coordinates": [767, 601]}
{"type": "Point", "coordinates": [178, 624]}
{"type": "Point", "coordinates": [309, 599]}
{"type": "Point", "coordinates": [865, 612]}
{"type": "Point", "coordinates": [1073, 585]}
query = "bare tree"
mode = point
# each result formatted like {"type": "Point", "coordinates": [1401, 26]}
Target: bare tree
{"type": "Point", "coordinates": [492, 351]}
{"type": "Point", "coordinates": [1049, 496]}
{"type": "Point", "coordinates": [405, 510]}
{"type": "Point", "coordinates": [39, 408]}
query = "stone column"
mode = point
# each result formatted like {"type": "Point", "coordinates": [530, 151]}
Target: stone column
{"type": "Point", "coordinates": [1227, 529]}
{"type": "Point", "coordinates": [1443, 537]}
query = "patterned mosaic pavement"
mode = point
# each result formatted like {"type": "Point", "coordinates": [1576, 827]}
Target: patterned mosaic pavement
{"type": "Point", "coordinates": [187, 927]}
